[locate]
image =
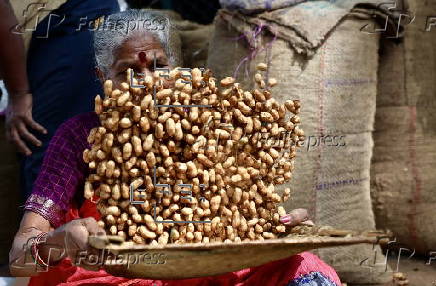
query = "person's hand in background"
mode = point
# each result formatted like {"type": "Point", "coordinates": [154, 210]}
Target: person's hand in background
{"type": "Point", "coordinates": [13, 70]}
{"type": "Point", "coordinates": [18, 122]}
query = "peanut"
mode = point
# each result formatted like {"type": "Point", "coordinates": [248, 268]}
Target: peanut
{"type": "Point", "coordinates": [219, 151]}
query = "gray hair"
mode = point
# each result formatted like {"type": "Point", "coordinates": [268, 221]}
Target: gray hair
{"type": "Point", "coordinates": [117, 28]}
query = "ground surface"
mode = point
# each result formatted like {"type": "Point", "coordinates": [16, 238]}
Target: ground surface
{"type": "Point", "coordinates": [416, 270]}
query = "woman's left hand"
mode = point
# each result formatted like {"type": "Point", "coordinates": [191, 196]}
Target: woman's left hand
{"type": "Point", "coordinates": [296, 217]}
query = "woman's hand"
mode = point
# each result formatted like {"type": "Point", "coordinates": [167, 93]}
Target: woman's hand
{"type": "Point", "coordinates": [73, 237]}
{"type": "Point", "coordinates": [19, 121]}
{"type": "Point", "coordinates": [69, 240]}
{"type": "Point", "coordinates": [296, 217]}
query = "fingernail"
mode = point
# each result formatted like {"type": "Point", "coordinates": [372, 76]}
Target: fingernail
{"type": "Point", "coordinates": [285, 219]}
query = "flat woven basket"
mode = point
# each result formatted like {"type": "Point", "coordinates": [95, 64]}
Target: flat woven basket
{"type": "Point", "coordinates": [181, 261]}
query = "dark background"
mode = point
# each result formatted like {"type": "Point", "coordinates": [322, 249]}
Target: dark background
{"type": "Point", "coordinates": [200, 11]}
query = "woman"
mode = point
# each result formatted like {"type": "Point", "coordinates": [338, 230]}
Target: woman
{"type": "Point", "coordinates": [55, 214]}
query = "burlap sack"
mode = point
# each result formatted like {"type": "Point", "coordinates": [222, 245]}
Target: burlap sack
{"type": "Point", "coordinates": [320, 7]}
{"type": "Point", "coordinates": [195, 40]}
{"type": "Point", "coordinates": [403, 181]}
{"type": "Point", "coordinates": [331, 66]}
{"type": "Point", "coordinates": [256, 5]}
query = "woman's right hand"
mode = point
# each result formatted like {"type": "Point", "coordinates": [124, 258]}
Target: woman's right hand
{"type": "Point", "coordinates": [296, 217]}
{"type": "Point", "coordinates": [73, 237]}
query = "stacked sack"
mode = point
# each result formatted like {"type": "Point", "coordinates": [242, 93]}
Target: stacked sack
{"type": "Point", "coordinates": [330, 65]}
{"type": "Point", "coordinates": [403, 181]}
{"type": "Point", "coordinates": [194, 39]}
{"type": "Point", "coordinates": [195, 42]}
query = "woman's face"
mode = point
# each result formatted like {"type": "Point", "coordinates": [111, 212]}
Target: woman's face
{"type": "Point", "coordinates": [138, 53]}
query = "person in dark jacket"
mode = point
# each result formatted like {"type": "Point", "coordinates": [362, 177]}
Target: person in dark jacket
{"type": "Point", "coordinates": [60, 80]}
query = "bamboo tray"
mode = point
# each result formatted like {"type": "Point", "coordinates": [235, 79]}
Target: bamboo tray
{"type": "Point", "coordinates": [181, 261]}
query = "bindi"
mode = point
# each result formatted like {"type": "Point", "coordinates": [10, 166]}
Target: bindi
{"type": "Point", "coordinates": [142, 57]}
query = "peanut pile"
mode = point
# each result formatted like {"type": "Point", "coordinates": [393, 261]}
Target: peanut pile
{"type": "Point", "coordinates": [211, 152]}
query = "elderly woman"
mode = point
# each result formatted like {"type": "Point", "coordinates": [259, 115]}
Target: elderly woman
{"type": "Point", "coordinates": [58, 222]}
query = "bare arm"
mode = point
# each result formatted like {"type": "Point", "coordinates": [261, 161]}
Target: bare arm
{"type": "Point", "coordinates": [14, 73]}
{"type": "Point", "coordinates": [64, 241]}
{"type": "Point", "coordinates": [20, 257]}
{"type": "Point", "coordinates": [12, 53]}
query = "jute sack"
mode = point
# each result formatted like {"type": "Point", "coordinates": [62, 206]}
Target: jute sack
{"type": "Point", "coordinates": [195, 40]}
{"type": "Point", "coordinates": [403, 180]}
{"type": "Point", "coordinates": [249, 6]}
{"type": "Point", "coordinates": [331, 67]}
